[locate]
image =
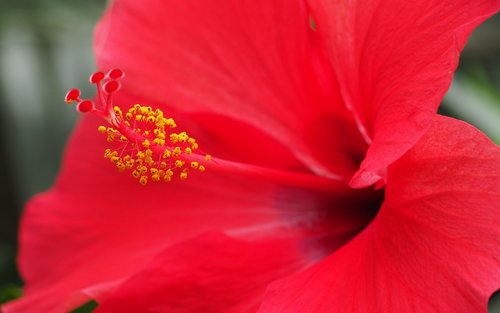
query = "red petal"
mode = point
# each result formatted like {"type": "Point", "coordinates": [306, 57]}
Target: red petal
{"type": "Point", "coordinates": [394, 61]}
{"type": "Point", "coordinates": [256, 61]}
{"type": "Point", "coordinates": [97, 227]}
{"type": "Point", "coordinates": [211, 273]}
{"type": "Point", "coordinates": [435, 245]}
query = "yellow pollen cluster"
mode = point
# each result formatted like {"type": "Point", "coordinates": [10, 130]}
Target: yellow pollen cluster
{"type": "Point", "coordinates": [149, 147]}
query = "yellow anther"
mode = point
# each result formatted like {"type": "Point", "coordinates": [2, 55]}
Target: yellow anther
{"type": "Point", "coordinates": [138, 117]}
{"type": "Point", "coordinates": [166, 154]}
{"type": "Point", "coordinates": [208, 157]}
{"type": "Point", "coordinates": [101, 129]}
{"type": "Point", "coordinates": [177, 151]}
{"type": "Point", "coordinates": [174, 138]}
{"type": "Point", "coordinates": [110, 138]}
{"type": "Point", "coordinates": [183, 137]}
{"type": "Point", "coordinates": [149, 153]}
{"type": "Point", "coordinates": [194, 146]}
{"type": "Point", "coordinates": [158, 142]}
{"type": "Point", "coordinates": [136, 174]}
{"type": "Point", "coordinates": [146, 133]}
{"type": "Point", "coordinates": [201, 168]}
{"type": "Point", "coordinates": [188, 150]}
{"type": "Point", "coordinates": [153, 170]}
{"type": "Point", "coordinates": [143, 180]}
{"type": "Point", "coordinates": [155, 177]}
{"type": "Point", "coordinates": [183, 175]}
{"type": "Point", "coordinates": [179, 163]}
{"type": "Point", "coordinates": [170, 122]}
{"type": "Point", "coordinates": [120, 166]}
{"type": "Point", "coordinates": [129, 116]}
{"type": "Point", "coordinates": [145, 143]}
{"type": "Point", "coordinates": [191, 140]}
{"type": "Point", "coordinates": [150, 119]}
{"type": "Point", "coordinates": [168, 175]}
{"type": "Point", "coordinates": [142, 169]}
{"type": "Point", "coordinates": [123, 138]}
{"type": "Point", "coordinates": [194, 164]}
{"type": "Point", "coordinates": [115, 159]}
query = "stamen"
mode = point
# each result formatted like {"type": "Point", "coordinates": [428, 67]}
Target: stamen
{"type": "Point", "coordinates": [142, 140]}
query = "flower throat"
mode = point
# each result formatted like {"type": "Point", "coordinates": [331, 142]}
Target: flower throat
{"type": "Point", "coordinates": [144, 140]}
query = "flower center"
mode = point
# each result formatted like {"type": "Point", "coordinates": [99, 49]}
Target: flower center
{"type": "Point", "coordinates": [143, 140]}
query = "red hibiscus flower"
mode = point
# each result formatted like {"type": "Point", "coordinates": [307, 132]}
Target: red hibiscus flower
{"type": "Point", "coordinates": [296, 118]}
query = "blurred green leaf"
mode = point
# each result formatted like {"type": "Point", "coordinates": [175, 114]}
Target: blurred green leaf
{"type": "Point", "coordinates": [9, 292]}
{"type": "Point", "coordinates": [86, 308]}
{"type": "Point", "coordinates": [475, 103]}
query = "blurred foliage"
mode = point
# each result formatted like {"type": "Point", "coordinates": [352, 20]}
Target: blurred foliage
{"type": "Point", "coordinates": [9, 292]}
{"type": "Point", "coordinates": [475, 93]}
{"type": "Point", "coordinates": [86, 308]}
{"type": "Point", "coordinates": [46, 48]}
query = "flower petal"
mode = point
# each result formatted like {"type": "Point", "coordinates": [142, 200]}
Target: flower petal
{"type": "Point", "coordinates": [255, 61]}
{"type": "Point", "coordinates": [394, 61]}
{"type": "Point", "coordinates": [435, 245]}
{"type": "Point", "coordinates": [96, 227]}
{"type": "Point", "coordinates": [210, 273]}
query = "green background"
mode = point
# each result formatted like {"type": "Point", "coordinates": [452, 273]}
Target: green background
{"type": "Point", "coordinates": [46, 48]}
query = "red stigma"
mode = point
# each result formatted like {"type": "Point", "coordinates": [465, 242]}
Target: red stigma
{"type": "Point", "coordinates": [111, 86]}
{"type": "Point", "coordinates": [106, 85]}
{"type": "Point", "coordinates": [73, 95]}
{"type": "Point", "coordinates": [116, 73]}
{"type": "Point", "coordinates": [84, 106]}
{"type": "Point", "coordinates": [96, 77]}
